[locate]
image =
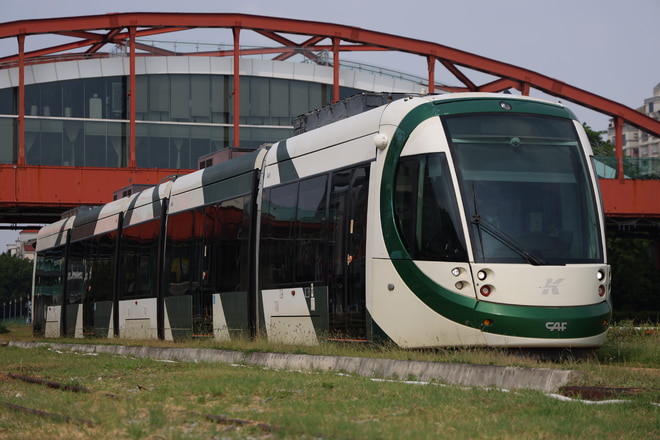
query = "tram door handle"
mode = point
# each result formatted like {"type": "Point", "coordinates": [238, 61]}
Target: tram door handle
{"type": "Point", "coordinates": [349, 257]}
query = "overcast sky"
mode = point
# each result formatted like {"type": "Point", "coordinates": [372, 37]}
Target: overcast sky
{"type": "Point", "coordinates": [607, 47]}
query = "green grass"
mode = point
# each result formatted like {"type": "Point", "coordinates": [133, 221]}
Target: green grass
{"type": "Point", "coordinates": [168, 400]}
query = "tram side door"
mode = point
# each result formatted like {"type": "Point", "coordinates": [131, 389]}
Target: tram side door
{"type": "Point", "coordinates": [348, 212]}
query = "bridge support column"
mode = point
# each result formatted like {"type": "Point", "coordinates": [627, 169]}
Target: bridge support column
{"type": "Point", "coordinates": [132, 98]}
{"type": "Point", "coordinates": [524, 88]}
{"type": "Point", "coordinates": [21, 100]}
{"type": "Point", "coordinates": [618, 144]}
{"type": "Point", "coordinates": [335, 69]}
{"type": "Point", "coordinates": [431, 67]}
{"type": "Point", "coordinates": [237, 87]}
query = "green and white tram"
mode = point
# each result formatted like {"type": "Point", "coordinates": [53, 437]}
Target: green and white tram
{"type": "Point", "coordinates": [451, 220]}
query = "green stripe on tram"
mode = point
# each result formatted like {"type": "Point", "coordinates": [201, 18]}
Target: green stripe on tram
{"type": "Point", "coordinates": [284, 164]}
{"type": "Point", "coordinates": [543, 322]}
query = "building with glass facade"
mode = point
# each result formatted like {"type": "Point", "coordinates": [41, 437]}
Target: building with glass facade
{"type": "Point", "coordinates": [93, 104]}
{"type": "Point", "coordinates": [638, 143]}
{"type": "Point", "coordinates": [77, 111]}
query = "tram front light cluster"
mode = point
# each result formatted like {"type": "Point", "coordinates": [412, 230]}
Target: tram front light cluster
{"type": "Point", "coordinates": [456, 271]}
{"type": "Point", "coordinates": [600, 276]}
{"type": "Point", "coordinates": [485, 289]}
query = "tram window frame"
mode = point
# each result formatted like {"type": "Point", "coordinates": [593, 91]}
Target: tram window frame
{"type": "Point", "coordinates": [276, 250]}
{"type": "Point", "coordinates": [293, 252]}
{"type": "Point", "coordinates": [535, 167]}
{"type": "Point", "coordinates": [290, 257]}
{"type": "Point", "coordinates": [216, 250]}
{"type": "Point", "coordinates": [227, 253]}
{"type": "Point", "coordinates": [49, 284]}
{"type": "Point", "coordinates": [311, 230]}
{"type": "Point", "coordinates": [179, 253]}
{"type": "Point", "coordinates": [139, 260]}
{"type": "Point", "coordinates": [103, 252]}
{"type": "Point", "coordinates": [424, 197]}
{"type": "Point", "coordinates": [50, 273]}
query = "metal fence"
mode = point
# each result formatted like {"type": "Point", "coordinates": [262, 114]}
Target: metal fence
{"type": "Point", "coordinates": [16, 309]}
{"type": "Point", "coordinates": [633, 167]}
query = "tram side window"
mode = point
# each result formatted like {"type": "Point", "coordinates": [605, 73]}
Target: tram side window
{"type": "Point", "coordinates": [278, 219]}
{"type": "Point", "coordinates": [404, 201]}
{"type": "Point", "coordinates": [293, 231]}
{"type": "Point", "coordinates": [76, 272]}
{"type": "Point", "coordinates": [225, 252]}
{"type": "Point", "coordinates": [426, 211]}
{"type": "Point", "coordinates": [90, 271]}
{"type": "Point", "coordinates": [90, 275]}
{"type": "Point", "coordinates": [183, 236]}
{"type": "Point", "coordinates": [101, 277]}
{"type": "Point", "coordinates": [48, 285]}
{"type": "Point", "coordinates": [207, 249]}
{"type": "Point", "coordinates": [49, 276]}
{"type": "Point", "coordinates": [139, 257]}
{"type": "Point", "coordinates": [311, 217]}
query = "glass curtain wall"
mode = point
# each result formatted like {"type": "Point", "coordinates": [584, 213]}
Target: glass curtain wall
{"type": "Point", "coordinates": [7, 126]}
{"type": "Point", "coordinates": [179, 118]}
{"type": "Point", "coordinates": [77, 123]}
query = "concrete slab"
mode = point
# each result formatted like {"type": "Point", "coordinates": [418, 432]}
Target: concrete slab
{"type": "Point", "coordinates": [541, 379]}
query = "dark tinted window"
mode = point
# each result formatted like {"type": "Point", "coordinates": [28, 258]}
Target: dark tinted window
{"type": "Point", "coordinates": [426, 210]}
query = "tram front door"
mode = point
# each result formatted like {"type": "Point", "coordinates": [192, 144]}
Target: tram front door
{"type": "Point", "coordinates": [348, 212]}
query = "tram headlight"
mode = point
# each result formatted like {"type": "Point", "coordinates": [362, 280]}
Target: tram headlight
{"type": "Point", "coordinates": [482, 275]}
{"type": "Point", "coordinates": [456, 271]}
{"type": "Point", "coordinates": [600, 275]}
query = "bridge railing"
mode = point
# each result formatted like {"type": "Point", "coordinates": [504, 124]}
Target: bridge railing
{"type": "Point", "coordinates": [633, 167]}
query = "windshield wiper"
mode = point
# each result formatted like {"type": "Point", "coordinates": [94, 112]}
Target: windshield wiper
{"type": "Point", "coordinates": [505, 239]}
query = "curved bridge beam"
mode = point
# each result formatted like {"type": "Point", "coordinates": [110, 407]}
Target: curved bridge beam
{"type": "Point", "coordinates": [95, 31]}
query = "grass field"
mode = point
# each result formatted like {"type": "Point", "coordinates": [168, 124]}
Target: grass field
{"type": "Point", "coordinates": [120, 397]}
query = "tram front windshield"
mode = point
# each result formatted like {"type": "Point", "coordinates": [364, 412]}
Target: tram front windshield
{"type": "Point", "coordinates": [526, 189]}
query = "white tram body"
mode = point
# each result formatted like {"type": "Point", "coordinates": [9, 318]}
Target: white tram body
{"type": "Point", "coordinates": [452, 220]}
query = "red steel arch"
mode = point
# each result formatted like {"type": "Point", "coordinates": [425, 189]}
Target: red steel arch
{"type": "Point", "coordinates": [90, 34]}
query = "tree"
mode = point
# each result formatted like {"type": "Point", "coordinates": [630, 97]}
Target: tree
{"type": "Point", "coordinates": [598, 145]}
{"type": "Point", "coordinates": [634, 276]}
{"type": "Point", "coordinates": [634, 279]}
{"type": "Point", "coordinates": [16, 276]}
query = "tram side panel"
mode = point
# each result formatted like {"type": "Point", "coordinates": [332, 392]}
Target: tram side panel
{"type": "Point", "coordinates": [138, 313]}
{"type": "Point", "coordinates": [207, 270]}
{"type": "Point", "coordinates": [428, 222]}
{"type": "Point", "coordinates": [208, 261]}
{"type": "Point", "coordinates": [49, 277]}
{"type": "Point", "coordinates": [91, 283]}
{"type": "Point", "coordinates": [312, 253]}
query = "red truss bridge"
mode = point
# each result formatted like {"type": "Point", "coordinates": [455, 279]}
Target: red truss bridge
{"type": "Point", "coordinates": [38, 191]}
